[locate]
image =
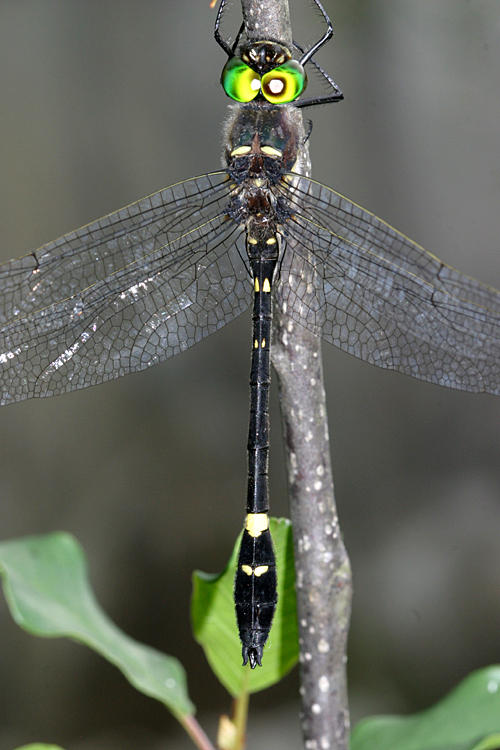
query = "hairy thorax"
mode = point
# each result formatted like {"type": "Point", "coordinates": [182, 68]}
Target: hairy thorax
{"type": "Point", "coordinates": [263, 145]}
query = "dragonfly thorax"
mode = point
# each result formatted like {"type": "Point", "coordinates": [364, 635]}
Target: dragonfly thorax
{"type": "Point", "coordinates": [255, 208]}
{"type": "Point", "coordinates": [262, 143]}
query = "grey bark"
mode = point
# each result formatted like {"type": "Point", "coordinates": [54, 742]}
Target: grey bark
{"type": "Point", "coordinates": [323, 574]}
{"type": "Point", "coordinates": [267, 19]}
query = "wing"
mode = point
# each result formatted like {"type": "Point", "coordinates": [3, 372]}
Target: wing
{"type": "Point", "coordinates": [122, 293]}
{"type": "Point", "coordinates": [376, 294]}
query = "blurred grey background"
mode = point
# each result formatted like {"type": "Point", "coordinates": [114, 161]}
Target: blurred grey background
{"type": "Point", "coordinates": [105, 101]}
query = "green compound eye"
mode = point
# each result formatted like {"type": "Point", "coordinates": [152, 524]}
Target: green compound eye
{"type": "Point", "coordinates": [284, 83]}
{"type": "Point", "coordinates": [239, 81]}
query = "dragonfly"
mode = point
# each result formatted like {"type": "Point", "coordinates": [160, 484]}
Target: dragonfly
{"type": "Point", "coordinates": [148, 281]}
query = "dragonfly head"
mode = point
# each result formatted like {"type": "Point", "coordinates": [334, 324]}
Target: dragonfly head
{"type": "Point", "coordinates": [266, 70]}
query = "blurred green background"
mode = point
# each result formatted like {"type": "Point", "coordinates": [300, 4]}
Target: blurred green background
{"type": "Point", "coordinates": [105, 101]}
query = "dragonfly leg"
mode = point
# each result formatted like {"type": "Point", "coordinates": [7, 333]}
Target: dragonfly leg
{"type": "Point", "coordinates": [228, 49]}
{"type": "Point", "coordinates": [326, 36]}
{"type": "Point", "coordinates": [337, 96]}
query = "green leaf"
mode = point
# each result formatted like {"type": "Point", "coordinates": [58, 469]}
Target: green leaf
{"type": "Point", "coordinates": [214, 621]}
{"type": "Point", "coordinates": [46, 586]}
{"type": "Point", "coordinates": [489, 743]}
{"type": "Point", "coordinates": [468, 718]}
{"type": "Point", "coordinates": [38, 746]}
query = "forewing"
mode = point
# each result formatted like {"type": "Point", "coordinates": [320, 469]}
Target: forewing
{"type": "Point", "coordinates": [376, 294]}
{"type": "Point", "coordinates": [122, 293]}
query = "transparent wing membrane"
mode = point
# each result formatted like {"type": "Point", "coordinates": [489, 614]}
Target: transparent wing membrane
{"type": "Point", "coordinates": [122, 293]}
{"type": "Point", "coordinates": [380, 296]}
{"type": "Point", "coordinates": [150, 280]}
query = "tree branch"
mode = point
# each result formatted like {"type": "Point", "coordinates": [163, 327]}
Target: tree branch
{"type": "Point", "coordinates": [267, 19]}
{"type": "Point", "coordinates": [323, 574]}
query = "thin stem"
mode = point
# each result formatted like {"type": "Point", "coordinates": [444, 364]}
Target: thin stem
{"type": "Point", "coordinates": [240, 717]}
{"type": "Point", "coordinates": [196, 733]}
{"type": "Point", "coordinates": [323, 574]}
{"type": "Point", "coordinates": [232, 731]}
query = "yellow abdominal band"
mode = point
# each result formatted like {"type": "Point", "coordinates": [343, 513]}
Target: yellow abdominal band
{"type": "Point", "coordinates": [256, 523]}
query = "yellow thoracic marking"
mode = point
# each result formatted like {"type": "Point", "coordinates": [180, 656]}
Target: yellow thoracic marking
{"type": "Point", "coordinates": [263, 344]}
{"type": "Point", "coordinates": [257, 285]}
{"type": "Point", "coordinates": [271, 241]}
{"type": "Point", "coordinates": [266, 286]}
{"type": "Point", "coordinates": [247, 569]}
{"type": "Point", "coordinates": [255, 344]}
{"type": "Point", "coordinates": [256, 523]}
{"type": "Point", "coordinates": [271, 151]}
{"type": "Point", "coordinates": [260, 570]}
{"type": "Point", "coordinates": [258, 182]}
{"type": "Point", "coordinates": [241, 150]}
{"type": "Point", "coordinates": [252, 240]}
